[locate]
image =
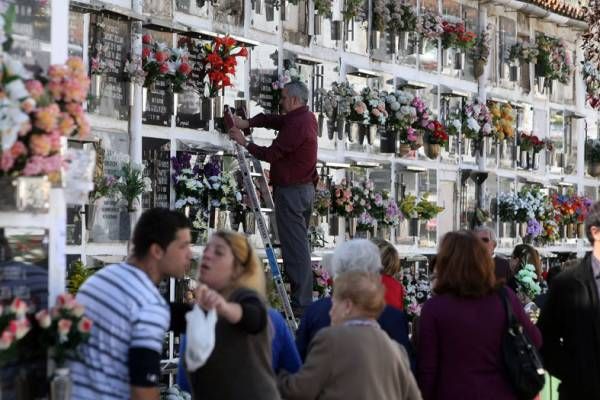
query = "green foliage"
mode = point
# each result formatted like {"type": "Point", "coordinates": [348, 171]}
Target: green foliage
{"type": "Point", "coordinates": [426, 209]}
{"type": "Point", "coordinates": [78, 274]}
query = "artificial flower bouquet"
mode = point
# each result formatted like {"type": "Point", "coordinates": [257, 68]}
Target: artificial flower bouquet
{"type": "Point", "coordinates": [34, 116]}
{"type": "Point", "coordinates": [381, 15]}
{"type": "Point", "coordinates": [219, 61]}
{"type": "Point", "coordinates": [322, 200]}
{"type": "Point", "coordinates": [188, 182]}
{"type": "Point", "coordinates": [159, 61]}
{"type": "Point", "coordinates": [14, 325]}
{"type": "Point", "coordinates": [322, 281]}
{"type": "Point", "coordinates": [402, 18]}
{"type": "Point", "coordinates": [341, 199]}
{"type": "Point", "coordinates": [530, 142]}
{"type": "Point", "coordinates": [385, 210]}
{"type": "Point", "coordinates": [363, 195]}
{"type": "Point", "coordinates": [502, 120]}
{"type": "Point", "coordinates": [435, 133]}
{"type": "Point", "coordinates": [430, 25]}
{"type": "Point", "coordinates": [359, 111]}
{"type": "Point", "coordinates": [365, 222]}
{"type": "Point", "coordinates": [523, 52]}
{"type": "Point", "coordinates": [375, 106]}
{"type": "Point", "coordinates": [130, 185]}
{"type": "Point", "coordinates": [401, 113]}
{"type": "Point", "coordinates": [553, 60]}
{"type": "Point", "coordinates": [482, 48]}
{"type": "Point", "coordinates": [456, 36]}
{"type": "Point", "coordinates": [338, 101]}
{"type": "Point", "coordinates": [477, 121]}
{"type": "Point", "coordinates": [527, 282]}
{"type": "Point", "coordinates": [427, 210]}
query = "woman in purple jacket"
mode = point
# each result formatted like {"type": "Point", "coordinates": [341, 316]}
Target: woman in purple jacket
{"type": "Point", "coordinates": [461, 326]}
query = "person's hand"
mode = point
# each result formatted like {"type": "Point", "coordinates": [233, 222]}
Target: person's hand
{"type": "Point", "coordinates": [209, 299]}
{"type": "Point", "coordinates": [241, 123]}
{"type": "Point", "coordinates": [237, 135]}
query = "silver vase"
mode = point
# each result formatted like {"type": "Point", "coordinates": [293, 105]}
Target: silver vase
{"type": "Point", "coordinates": [352, 224]}
{"type": "Point", "coordinates": [362, 235]}
{"type": "Point", "coordinates": [337, 30]}
{"type": "Point", "coordinates": [322, 124]}
{"type": "Point", "coordinates": [61, 385]}
{"type": "Point", "coordinates": [353, 131]}
{"type": "Point", "coordinates": [336, 225]}
{"type": "Point", "coordinates": [524, 159]}
{"type": "Point", "coordinates": [340, 126]}
{"type": "Point", "coordinates": [249, 223]}
{"type": "Point", "coordinates": [383, 232]}
{"type": "Point", "coordinates": [459, 61]}
{"type": "Point", "coordinates": [372, 134]}
{"type": "Point", "coordinates": [224, 221]}
{"type": "Point", "coordinates": [213, 217]}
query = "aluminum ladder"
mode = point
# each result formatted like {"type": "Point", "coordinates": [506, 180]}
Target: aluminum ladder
{"type": "Point", "coordinates": [248, 177]}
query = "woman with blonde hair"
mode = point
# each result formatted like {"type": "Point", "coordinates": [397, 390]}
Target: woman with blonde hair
{"type": "Point", "coordinates": [390, 260]}
{"type": "Point", "coordinates": [233, 283]}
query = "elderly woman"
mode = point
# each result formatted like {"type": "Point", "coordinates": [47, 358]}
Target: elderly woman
{"type": "Point", "coordinates": [354, 358]}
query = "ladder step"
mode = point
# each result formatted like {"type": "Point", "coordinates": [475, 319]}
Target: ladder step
{"type": "Point", "coordinates": [256, 174]}
{"type": "Point", "coordinates": [266, 210]}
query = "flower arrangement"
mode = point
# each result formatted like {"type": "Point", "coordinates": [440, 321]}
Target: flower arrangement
{"type": "Point", "coordinates": [359, 112]}
{"type": "Point", "coordinates": [104, 186]}
{"type": "Point", "coordinates": [99, 64]}
{"type": "Point", "coordinates": [570, 207]}
{"type": "Point", "coordinates": [14, 325]}
{"type": "Point", "coordinates": [454, 123]}
{"type": "Point", "coordinates": [549, 232]}
{"type": "Point", "coordinates": [221, 186]}
{"type": "Point", "coordinates": [408, 206]}
{"type": "Point", "coordinates": [131, 183]}
{"type": "Point", "coordinates": [322, 200]}
{"type": "Point", "coordinates": [64, 328]}
{"type": "Point", "coordinates": [381, 15]}
{"type": "Point", "coordinates": [34, 116]}
{"type": "Point", "coordinates": [219, 59]}
{"type": "Point", "coordinates": [392, 216]}
{"type": "Point", "coordinates": [477, 120]}
{"type": "Point", "coordinates": [323, 7]}
{"type": "Point", "coordinates": [341, 199]}
{"type": "Point", "coordinates": [481, 49]}
{"type": "Point", "coordinates": [456, 36]}
{"type": "Point", "coordinates": [378, 205]}
{"type": "Point", "coordinates": [437, 135]}
{"type": "Point", "coordinates": [553, 61]}
{"type": "Point", "coordinates": [527, 281]}
{"type": "Point", "coordinates": [363, 196]}
{"type": "Point", "coordinates": [531, 143]}
{"type": "Point", "coordinates": [351, 8]}
{"type": "Point", "coordinates": [591, 77]}
{"type": "Point", "coordinates": [322, 281]}
{"type": "Point", "coordinates": [188, 182]}
{"type": "Point", "coordinates": [60, 330]}
{"type": "Point", "coordinates": [523, 206]}
{"type": "Point", "coordinates": [402, 18]}
{"type": "Point", "coordinates": [417, 290]}
{"type": "Point", "coordinates": [375, 106]}
{"type": "Point", "coordinates": [430, 25]}
{"type": "Point", "coordinates": [401, 114]}
{"type": "Point", "coordinates": [365, 222]}
{"type": "Point", "coordinates": [592, 151]}
{"type": "Point", "coordinates": [502, 120]}
{"type": "Point", "coordinates": [427, 210]}
{"type": "Point", "coordinates": [338, 102]}
{"type": "Point", "coordinates": [160, 61]}
{"type": "Point", "coordinates": [523, 52]}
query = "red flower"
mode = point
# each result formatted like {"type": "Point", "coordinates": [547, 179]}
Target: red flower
{"type": "Point", "coordinates": [147, 39]}
{"type": "Point", "coordinates": [243, 52]}
{"type": "Point", "coordinates": [162, 56]}
{"type": "Point", "coordinates": [146, 52]}
{"type": "Point", "coordinates": [214, 60]}
{"type": "Point", "coordinates": [229, 61]}
{"type": "Point", "coordinates": [164, 68]}
{"type": "Point", "coordinates": [185, 68]}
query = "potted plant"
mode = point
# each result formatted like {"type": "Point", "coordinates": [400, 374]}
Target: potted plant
{"type": "Point", "coordinates": [592, 157]}
{"type": "Point", "coordinates": [129, 187]}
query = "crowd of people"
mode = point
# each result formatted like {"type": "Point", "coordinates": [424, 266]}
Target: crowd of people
{"type": "Point", "coordinates": [353, 345]}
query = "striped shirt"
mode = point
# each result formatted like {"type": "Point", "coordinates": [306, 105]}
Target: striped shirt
{"type": "Point", "coordinates": [127, 311]}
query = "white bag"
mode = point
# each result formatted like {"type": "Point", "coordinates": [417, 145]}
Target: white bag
{"type": "Point", "coordinates": [200, 336]}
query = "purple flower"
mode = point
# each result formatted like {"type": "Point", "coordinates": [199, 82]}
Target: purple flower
{"type": "Point", "coordinates": [534, 228]}
{"type": "Point", "coordinates": [212, 168]}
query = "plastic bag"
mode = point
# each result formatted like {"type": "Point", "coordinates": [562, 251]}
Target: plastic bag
{"type": "Point", "coordinates": [200, 336]}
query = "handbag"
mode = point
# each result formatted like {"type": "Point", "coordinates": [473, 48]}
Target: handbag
{"type": "Point", "coordinates": [521, 359]}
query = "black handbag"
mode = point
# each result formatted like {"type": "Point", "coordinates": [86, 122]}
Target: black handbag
{"type": "Point", "coordinates": [521, 359]}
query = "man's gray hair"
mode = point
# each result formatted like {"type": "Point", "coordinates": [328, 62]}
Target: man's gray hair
{"type": "Point", "coordinates": [356, 255]}
{"type": "Point", "coordinates": [483, 228]}
{"type": "Point", "coordinates": [297, 89]}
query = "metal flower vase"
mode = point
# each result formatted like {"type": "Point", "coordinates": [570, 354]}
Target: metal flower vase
{"type": "Point", "coordinates": [212, 107]}
{"type": "Point", "coordinates": [594, 169]}
{"type": "Point", "coordinates": [403, 149]}
{"type": "Point", "coordinates": [522, 226]}
{"type": "Point", "coordinates": [581, 231]}
{"type": "Point", "coordinates": [340, 127]}
{"type": "Point", "coordinates": [413, 227]}
{"type": "Point", "coordinates": [336, 225]}
{"type": "Point", "coordinates": [61, 385]}
{"type": "Point", "coordinates": [352, 225]}
{"type": "Point", "coordinates": [383, 232]}
{"type": "Point", "coordinates": [459, 61]}
{"type": "Point", "coordinates": [432, 151]}
{"type": "Point", "coordinates": [249, 223]}
{"type": "Point", "coordinates": [353, 131]}
{"type": "Point", "coordinates": [322, 124]}
{"type": "Point", "coordinates": [362, 235]}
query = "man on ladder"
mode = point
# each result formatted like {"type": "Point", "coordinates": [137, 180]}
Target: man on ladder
{"type": "Point", "coordinates": [293, 159]}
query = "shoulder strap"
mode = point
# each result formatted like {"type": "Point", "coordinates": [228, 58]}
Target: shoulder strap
{"type": "Point", "coordinates": [512, 321]}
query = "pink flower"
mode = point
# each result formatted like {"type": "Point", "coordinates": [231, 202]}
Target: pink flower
{"type": "Point", "coordinates": [64, 326]}
{"type": "Point", "coordinates": [375, 112]}
{"type": "Point", "coordinates": [66, 124]}
{"type": "Point", "coordinates": [28, 105]}
{"type": "Point", "coordinates": [7, 161]}
{"type": "Point", "coordinates": [54, 138]}
{"type": "Point", "coordinates": [34, 166]}
{"type": "Point", "coordinates": [43, 319]}
{"type": "Point", "coordinates": [411, 134]}
{"type": "Point", "coordinates": [65, 300]}
{"type": "Point", "coordinates": [57, 72]}
{"type": "Point", "coordinates": [6, 340]}
{"type": "Point", "coordinates": [85, 325]}
{"type": "Point", "coordinates": [164, 68]}
{"type": "Point", "coordinates": [161, 56]}
{"type": "Point", "coordinates": [147, 38]}
{"type": "Point", "coordinates": [381, 107]}
{"type": "Point", "coordinates": [19, 307]}
{"type": "Point", "coordinates": [78, 310]}
{"type": "Point", "coordinates": [75, 90]}
{"type": "Point", "coordinates": [35, 88]}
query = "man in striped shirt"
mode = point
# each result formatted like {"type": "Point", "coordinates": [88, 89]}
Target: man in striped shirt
{"type": "Point", "coordinates": [122, 358]}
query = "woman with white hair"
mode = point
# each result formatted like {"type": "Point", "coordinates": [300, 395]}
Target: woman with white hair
{"type": "Point", "coordinates": [354, 358]}
{"type": "Point", "coordinates": [355, 255]}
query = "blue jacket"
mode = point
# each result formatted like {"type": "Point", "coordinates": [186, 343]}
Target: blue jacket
{"type": "Point", "coordinates": [285, 354]}
{"type": "Point", "coordinates": [316, 317]}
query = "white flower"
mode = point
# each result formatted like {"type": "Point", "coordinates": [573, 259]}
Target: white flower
{"type": "Point", "coordinates": [16, 68]}
{"type": "Point", "coordinates": [147, 184]}
{"type": "Point", "coordinates": [16, 90]}
{"type": "Point", "coordinates": [473, 124]}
